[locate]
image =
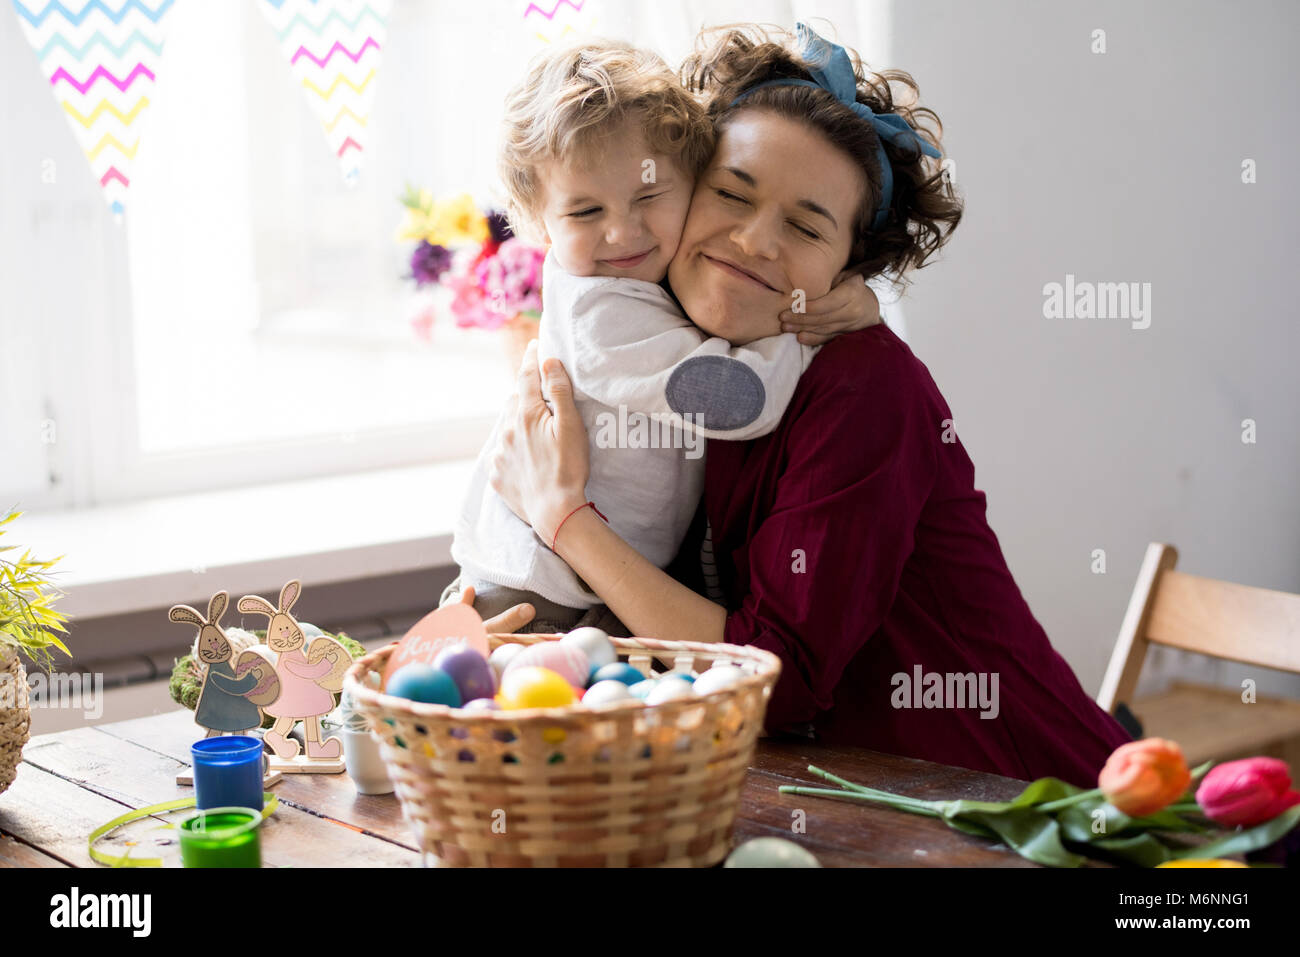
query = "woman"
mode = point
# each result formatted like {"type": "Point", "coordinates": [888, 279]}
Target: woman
{"type": "Point", "coordinates": [851, 542]}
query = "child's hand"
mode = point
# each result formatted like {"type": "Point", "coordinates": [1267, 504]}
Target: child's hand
{"type": "Point", "coordinates": [850, 305]}
{"type": "Point", "coordinates": [509, 621]}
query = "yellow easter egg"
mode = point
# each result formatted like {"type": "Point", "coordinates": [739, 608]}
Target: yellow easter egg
{"type": "Point", "coordinates": [534, 687]}
{"type": "Point", "coordinates": [1202, 862]}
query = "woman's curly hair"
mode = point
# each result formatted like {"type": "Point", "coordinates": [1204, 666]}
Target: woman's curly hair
{"type": "Point", "coordinates": [924, 210]}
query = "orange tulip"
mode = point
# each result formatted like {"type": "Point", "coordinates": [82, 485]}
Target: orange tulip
{"type": "Point", "coordinates": [1145, 776]}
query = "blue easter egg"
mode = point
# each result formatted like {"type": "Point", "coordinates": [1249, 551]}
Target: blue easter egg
{"type": "Point", "coordinates": [618, 671]}
{"type": "Point", "coordinates": [642, 688]}
{"type": "Point", "coordinates": [420, 682]}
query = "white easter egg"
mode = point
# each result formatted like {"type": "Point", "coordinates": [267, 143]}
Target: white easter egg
{"type": "Point", "coordinates": [717, 678]}
{"type": "Point", "coordinates": [607, 692]}
{"type": "Point", "coordinates": [669, 688]}
{"type": "Point", "coordinates": [504, 654]}
{"type": "Point", "coordinates": [595, 644]}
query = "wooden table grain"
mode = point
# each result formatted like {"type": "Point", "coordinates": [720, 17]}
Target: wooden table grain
{"type": "Point", "coordinates": [73, 781]}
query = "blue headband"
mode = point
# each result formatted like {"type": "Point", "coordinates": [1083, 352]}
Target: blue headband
{"type": "Point", "coordinates": [832, 71]}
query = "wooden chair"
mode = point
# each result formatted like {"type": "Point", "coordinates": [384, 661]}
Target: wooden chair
{"type": "Point", "coordinates": [1220, 619]}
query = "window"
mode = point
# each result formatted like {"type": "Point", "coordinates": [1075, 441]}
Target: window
{"type": "Point", "coordinates": [249, 320]}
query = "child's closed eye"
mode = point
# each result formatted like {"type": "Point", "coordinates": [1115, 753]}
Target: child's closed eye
{"type": "Point", "coordinates": [585, 213]}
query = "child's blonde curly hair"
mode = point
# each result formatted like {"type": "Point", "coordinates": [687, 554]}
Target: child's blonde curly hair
{"type": "Point", "coordinates": [574, 95]}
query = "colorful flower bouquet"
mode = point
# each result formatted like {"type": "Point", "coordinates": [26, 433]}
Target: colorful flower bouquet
{"type": "Point", "coordinates": [1135, 815]}
{"type": "Point", "coordinates": [495, 278]}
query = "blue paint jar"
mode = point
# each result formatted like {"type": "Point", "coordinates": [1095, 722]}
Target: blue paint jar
{"type": "Point", "coordinates": [227, 772]}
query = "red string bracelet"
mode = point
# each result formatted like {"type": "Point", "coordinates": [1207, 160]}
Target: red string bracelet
{"type": "Point", "coordinates": [556, 536]}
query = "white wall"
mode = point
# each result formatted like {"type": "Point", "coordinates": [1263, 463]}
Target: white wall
{"type": "Point", "coordinates": [1122, 166]}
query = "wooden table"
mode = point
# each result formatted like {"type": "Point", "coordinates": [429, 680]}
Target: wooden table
{"type": "Point", "coordinates": [74, 781]}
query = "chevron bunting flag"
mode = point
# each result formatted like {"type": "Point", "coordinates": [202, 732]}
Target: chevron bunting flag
{"type": "Point", "coordinates": [333, 48]}
{"type": "Point", "coordinates": [101, 58]}
{"type": "Point", "coordinates": [552, 20]}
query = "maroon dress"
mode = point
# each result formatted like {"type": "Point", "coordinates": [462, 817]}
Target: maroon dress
{"type": "Point", "coordinates": [853, 544]}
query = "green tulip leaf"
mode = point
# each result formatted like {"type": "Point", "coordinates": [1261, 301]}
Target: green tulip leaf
{"type": "Point", "coordinates": [1251, 839]}
{"type": "Point", "coordinates": [971, 828]}
{"type": "Point", "coordinates": [1030, 832]}
{"type": "Point", "coordinates": [1170, 821]}
{"type": "Point", "coordinates": [1144, 850]}
{"type": "Point", "coordinates": [1044, 790]}
{"type": "Point", "coordinates": [1079, 822]}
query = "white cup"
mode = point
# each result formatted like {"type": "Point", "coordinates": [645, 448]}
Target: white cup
{"type": "Point", "coordinates": [365, 766]}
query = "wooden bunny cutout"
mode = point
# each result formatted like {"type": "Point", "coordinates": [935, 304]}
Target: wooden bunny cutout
{"type": "Point", "coordinates": [225, 704]}
{"type": "Point", "coordinates": [307, 681]}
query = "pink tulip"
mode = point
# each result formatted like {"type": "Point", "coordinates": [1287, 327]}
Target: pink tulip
{"type": "Point", "coordinates": [1145, 776]}
{"type": "Point", "coordinates": [1247, 792]}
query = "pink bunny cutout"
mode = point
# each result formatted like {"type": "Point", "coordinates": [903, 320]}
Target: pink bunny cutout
{"type": "Point", "coordinates": [307, 679]}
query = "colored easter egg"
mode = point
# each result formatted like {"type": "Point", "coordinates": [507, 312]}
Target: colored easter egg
{"type": "Point", "coordinates": [568, 662]}
{"type": "Point", "coordinates": [641, 689]}
{"type": "Point", "coordinates": [669, 688]}
{"type": "Point", "coordinates": [607, 692]}
{"type": "Point", "coordinates": [771, 852]}
{"type": "Point", "coordinates": [470, 671]}
{"type": "Point", "coordinates": [502, 656]}
{"type": "Point", "coordinates": [717, 678]}
{"type": "Point", "coordinates": [594, 643]}
{"type": "Point", "coordinates": [420, 682]}
{"type": "Point", "coordinates": [534, 687]}
{"type": "Point", "coordinates": [1201, 862]}
{"type": "Point", "coordinates": [618, 671]}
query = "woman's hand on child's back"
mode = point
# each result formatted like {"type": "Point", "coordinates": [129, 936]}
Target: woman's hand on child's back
{"type": "Point", "coordinates": [541, 465]}
{"type": "Point", "coordinates": [850, 305]}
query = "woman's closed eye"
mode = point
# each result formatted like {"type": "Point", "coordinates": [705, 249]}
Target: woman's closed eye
{"type": "Point", "coordinates": [730, 196]}
{"type": "Point", "coordinates": [811, 234]}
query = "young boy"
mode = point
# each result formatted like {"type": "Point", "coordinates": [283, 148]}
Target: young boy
{"type": "Point", "coordinates": [601, 149]}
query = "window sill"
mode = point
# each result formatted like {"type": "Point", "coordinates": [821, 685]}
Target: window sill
{"type": "Point", "coordinates": [156, 552]}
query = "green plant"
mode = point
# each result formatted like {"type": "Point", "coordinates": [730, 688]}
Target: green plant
{"type": "Point", "coordinates": [28, 621]}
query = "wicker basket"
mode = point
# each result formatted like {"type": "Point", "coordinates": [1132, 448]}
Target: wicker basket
{"type": "Point", "coordinates": [620, 785]}
{"type": "Point", "coordinates": [15, 716]}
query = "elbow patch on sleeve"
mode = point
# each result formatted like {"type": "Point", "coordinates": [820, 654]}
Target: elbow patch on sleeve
{"type": "Point", "coordinates": [723, 393]}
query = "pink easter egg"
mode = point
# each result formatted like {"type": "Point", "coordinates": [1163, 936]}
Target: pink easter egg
{"type": "Point", "coordinates": [567, 661]}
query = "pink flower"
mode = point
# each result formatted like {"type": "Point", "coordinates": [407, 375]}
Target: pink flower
{"type": "Point", "coordinates": [1247, 792]}
{"type": "Point", "coordinates": [469, 305]}
{"type": "Point", "coordinates": [512, 279]}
